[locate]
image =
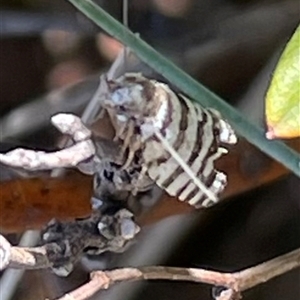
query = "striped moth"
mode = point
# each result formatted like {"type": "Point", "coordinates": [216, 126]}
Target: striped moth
{"type": "Point", "coordinates": [175, 140]}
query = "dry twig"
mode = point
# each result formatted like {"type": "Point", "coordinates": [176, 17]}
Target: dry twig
{"type": "Point", "coordinates": [65, 243]}
{"type": "Point", "coordinates": [32, 160]}
{"type": "Point", "coordinates": [81, 154]}
{"type": "Point", "coordinates": [5, 253]}
{"type": "Point", "coordinates": [235, 283]}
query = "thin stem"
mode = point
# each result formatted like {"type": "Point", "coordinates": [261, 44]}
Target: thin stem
{"type": "Point", "coordinates": [275, 149]}
{"type": "Point", "coordinates": [29, 258]}
{"type": "Point", "coordinates": [268, 270]}
{"type": "Point", "coordinates": [36, 258]}
{"type": "Point", "coordinates": [235, 282]}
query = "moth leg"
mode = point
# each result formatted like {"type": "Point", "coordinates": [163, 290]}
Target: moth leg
{"type": "Point", "coordinates": [119, 132]}
{"type": "Point", "coordinates": [128, 137]}
{"type": "Point", "coordinates": [133, 148]}
{"type": "Point", "coordinates": [132, 143]}
{"type": "Point", "coordinates": [140, 178]}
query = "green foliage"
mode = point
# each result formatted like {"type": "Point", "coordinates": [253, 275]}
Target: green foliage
{"type": "Point", "coordinates": [283, 96]}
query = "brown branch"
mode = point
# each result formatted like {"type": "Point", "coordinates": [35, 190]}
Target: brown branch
{"type": "Point", "coordinates": [65, 243]}
{"type": "Point", "coordinates": [71, 125]}
{"type": "Point", "coordinates": [32, 160]}
{"type": "Point", "coordinates": [5, 253]}
{"type": "Point", "coordinates": [234, 282]}
{"type": "Point", "coordinates": [29, 258]}
{"type": "Point", "coordinates": [261, 273]}
{"type": "Point", "coordinates": [75, 155]}
{"type": "Point", "coordinates": [22, 257]}
{"type": "Point", "coordinates": [37, 258]}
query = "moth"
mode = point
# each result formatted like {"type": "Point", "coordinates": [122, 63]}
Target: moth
{"type": "Point", "coordinates": [174, 140]}
{"type": "Point", "coordinates": [165, 138]}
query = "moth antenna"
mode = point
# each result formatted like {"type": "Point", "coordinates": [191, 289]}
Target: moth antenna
{"type": "Point", "coordinates": [185, 167]}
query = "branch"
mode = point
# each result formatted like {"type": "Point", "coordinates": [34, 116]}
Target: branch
{"type": "Point", "coordinates": [21, 257]}
{"type": "Point", "coordinates": [5, 253]}
{"type": "Point", "coordinates": [233, 282]}
{"type": "Point", "coordinates": [65, 243]}
{"type": "Point", "coordinates": [32, 160]}
{"type": "Point", "coordinates": [30, 258]}
{"type": "Point", "coordinates": [80, 155]}
{"type": "Point", "coordinates": [71, 125]}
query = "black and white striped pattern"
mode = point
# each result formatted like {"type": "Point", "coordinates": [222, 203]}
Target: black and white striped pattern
{"type": "Point", "coordinates": [196, 134]}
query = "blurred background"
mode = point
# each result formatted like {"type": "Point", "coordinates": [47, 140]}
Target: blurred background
{"type": "Point", "coordinates": [50, 60]}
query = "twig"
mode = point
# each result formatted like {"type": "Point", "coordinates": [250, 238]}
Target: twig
{"type": "Point", "coordinates": [29, 258]}
{"type": "Point", "coordinates": [248, 278]}
{"type": "Point", "coordinates": [39, 160]}
{"type": "Point", "coordinates": [11, 278]}
{"type": "Point", "coordinates": [5, 253]}
{"type": "Point", "coordinates": [37, 258]}
{"type": "Point", "coordinates": [71, 125]}
{"type": "Point", "coordinates": [234, 282]}
{"type": "Point", "coordinates": [81, 154]}
{"type": "Point", "coordinates": [65, 243]}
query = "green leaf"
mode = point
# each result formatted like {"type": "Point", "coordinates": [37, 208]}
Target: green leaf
{"type": "Point", "coordinates": [283, 96]}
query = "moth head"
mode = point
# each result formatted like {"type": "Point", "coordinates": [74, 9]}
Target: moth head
{"type": "Point", "coordinates": [129, 96]}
